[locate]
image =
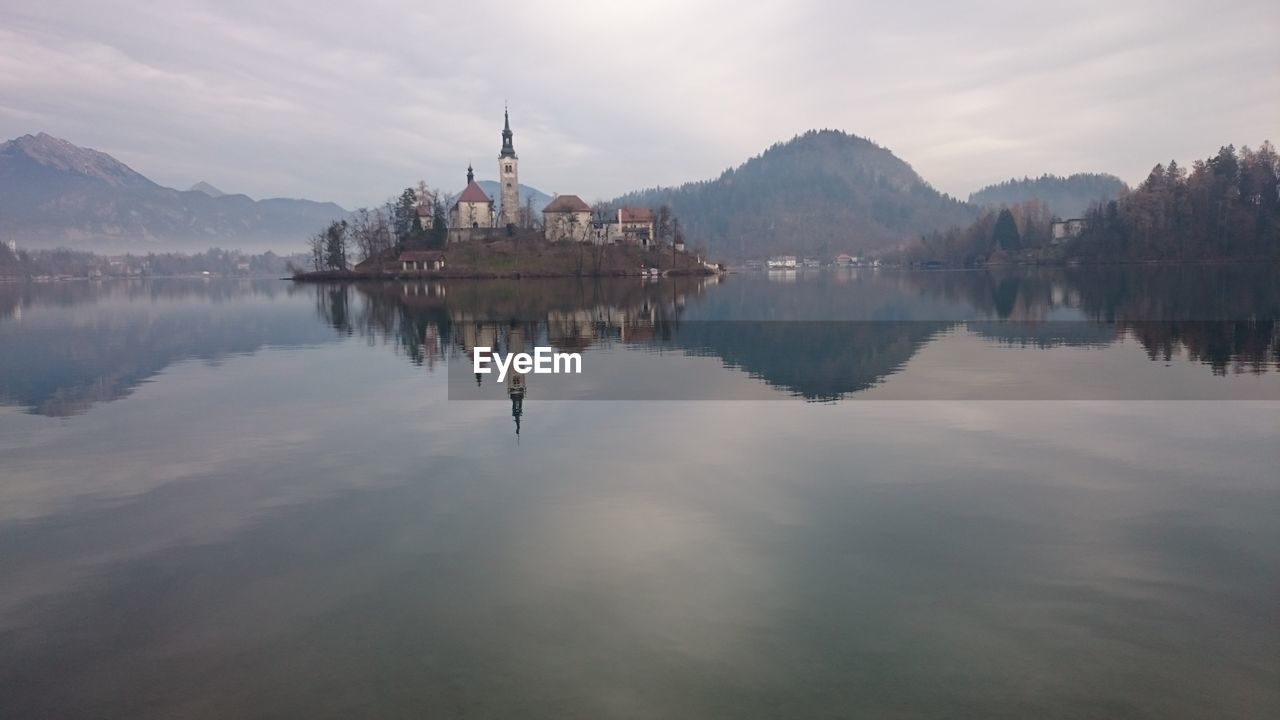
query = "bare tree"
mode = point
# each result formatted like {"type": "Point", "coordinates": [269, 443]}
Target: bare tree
{"type": "Point", "coordinates": [372, 234]}
{"type": "Point", "coordinates": [315, 244]}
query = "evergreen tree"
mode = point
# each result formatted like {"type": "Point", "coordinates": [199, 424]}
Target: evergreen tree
{"type": "Point", "coordinates": [403, 215]}
{"type": "Point", "coordinates": [335, 245]}
{"type": "Point", "coordinates": [439, 234]}
{"type": "Point", "coordinates": [1005, 233]}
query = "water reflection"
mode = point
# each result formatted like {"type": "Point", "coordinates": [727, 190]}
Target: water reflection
{"type": "Point", "coordinates": [65, 347]}
{"type": "Point", "coordinates": [832, 337]}
{"type": "Point", "coordinates": [824, 337]}
{"type": "Point", "coordinates": [285, 518]}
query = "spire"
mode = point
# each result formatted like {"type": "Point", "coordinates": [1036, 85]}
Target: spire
{"type": "Point", "coordinates": [507, 149]}
{"type": "Point", "coordinates": [471, 174]}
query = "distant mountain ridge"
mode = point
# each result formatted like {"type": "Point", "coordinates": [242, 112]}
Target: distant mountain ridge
{"type": "Point", "coordinates": [54, 193]}
{"type": "Point", "coordinates": [821, 193]}
{"type": "Point", "coordinates": [492, 188]}
{"type": "Point", "coordinates": [206, 188]}
{"type": "Point", "coordinates": [1066, 197]}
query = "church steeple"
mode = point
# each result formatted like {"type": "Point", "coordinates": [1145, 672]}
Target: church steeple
{"type": "Point", "coordinates": [508, 150]}
{"type": "Point", "coordinates": [471, 174]}
{"type": "Point", "coordinates": [509, 176]}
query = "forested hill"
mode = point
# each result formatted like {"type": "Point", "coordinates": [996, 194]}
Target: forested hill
{"type": "Point", "coordinates": [821, 193]}
{"type": "Point", "coordinates": [1066, 197]}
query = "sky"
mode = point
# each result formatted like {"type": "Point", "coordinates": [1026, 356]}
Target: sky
{"type": "Point", "coordinates": [350, 103]}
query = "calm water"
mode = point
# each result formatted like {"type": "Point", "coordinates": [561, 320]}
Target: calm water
{"type": "Point", "coordinates": [856, 494]}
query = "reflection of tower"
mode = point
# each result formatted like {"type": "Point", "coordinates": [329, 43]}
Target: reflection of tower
{"type": "Point", "coordinates": [515, 390]}
{"type": "Point", "coordinates": [508, 175]}
{"type": "Point", "coordinates": [516, 382]}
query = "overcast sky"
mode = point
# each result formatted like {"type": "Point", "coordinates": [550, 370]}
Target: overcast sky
{"type": "Point", "coordinates": [302, 99]}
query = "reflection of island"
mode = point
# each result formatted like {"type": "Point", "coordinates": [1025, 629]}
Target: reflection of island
{"type": "Point", "coordinates": [66, 346]}
{"type": "Point", "coordinates": [834, 335]}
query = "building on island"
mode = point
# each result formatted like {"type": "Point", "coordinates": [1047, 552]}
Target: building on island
{"type": "Point", "coordinates": [473, 209]}
{"type": "Point", "coordinates": [567, 218]}
{"type": "Point", "coordinates": [635, 226]}
{"type": "Point", "coordinates": [509, 177]}
{"type": "Point", "coordinates": [421, 260]}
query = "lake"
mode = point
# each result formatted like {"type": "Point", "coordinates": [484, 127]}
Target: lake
{"type": "Point", "coordinates": [815, 494]}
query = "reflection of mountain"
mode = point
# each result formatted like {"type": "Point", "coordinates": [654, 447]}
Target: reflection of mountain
{"type": "Point", "coordinates": [816, 360]}
{"type": "Point", "coordinates": [68, 346]}
{"type": "Point", "coordinates": [826, 337]}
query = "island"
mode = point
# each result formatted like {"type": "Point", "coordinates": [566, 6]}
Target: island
{"type": "Point", "coordinates": [423, 234]}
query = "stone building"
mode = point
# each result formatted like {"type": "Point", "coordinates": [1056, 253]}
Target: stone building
{"type": "Point", "coordinates": [635, 225]}
{"type": "Point", "coordinates": [567, 217]}
{"type": "Point", "coordinates": [473, 209]}
{"type": "Point", "coordinates": [509, 177]}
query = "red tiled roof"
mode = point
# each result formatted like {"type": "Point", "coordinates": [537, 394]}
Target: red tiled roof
{"type": "Point", "coordinates": [567, 203]}
{"type": "Point", "coordinates": [473, 194]}
{"type": "Point", "coordinates": [635, 215]}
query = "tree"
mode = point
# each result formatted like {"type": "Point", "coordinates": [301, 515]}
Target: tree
{"type": "Point", "coordinates": [335, 245]}
{"type": "Point", "coordinates": [439, 235]}
{"type": "Point", "coordinates": [662, 223]}
{"type": "Point", "coordinates": [404, 212]}
{"type": "Point", "coordinates": [1005, 232]}
{"type": "Point", "coordinates": [316, 244]}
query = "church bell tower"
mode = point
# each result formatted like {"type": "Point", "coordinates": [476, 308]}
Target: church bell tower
{"type": "Point", "coordinates": [509, 176]}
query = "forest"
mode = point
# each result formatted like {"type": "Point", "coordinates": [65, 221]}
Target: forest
{"type": "Point", "coordinates": [1226, 207]}
{"type": "Point", "coordinates": [1067, 197]}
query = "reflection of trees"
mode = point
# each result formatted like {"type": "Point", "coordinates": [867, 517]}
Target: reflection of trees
{"type": "Point", "coordinates": [426, 320]}
{"type": "Point", "coordinates": [1223, 316]}
{"type": "Point", "coordinates": [1168, 311]}
{"type": "Point", "coordinates": [1245, 346]}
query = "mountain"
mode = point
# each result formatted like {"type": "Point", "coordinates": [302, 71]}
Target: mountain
{"type": "Point", "coordinates": [1066, 197]}
{"type": "Point", "coordinates": [492, 188]}
{"type": "Point", "coordinates": [56, 194]}
{"type": "Point", "coordinates": [207, 189]}
{"type": "Point", "coordinates": [821, 193]}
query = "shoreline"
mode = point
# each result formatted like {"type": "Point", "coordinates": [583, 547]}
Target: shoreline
{"type": "Point", "coordinates": [352, 275]}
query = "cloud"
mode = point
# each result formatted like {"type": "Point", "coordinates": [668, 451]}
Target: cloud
{"type": "Point", "coordinates": [296, 99]}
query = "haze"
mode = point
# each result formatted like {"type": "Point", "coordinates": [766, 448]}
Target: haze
{"type": "Point", "coordinates": [348, 104]}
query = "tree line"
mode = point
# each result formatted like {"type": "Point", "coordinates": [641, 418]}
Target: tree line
{"type": "Point", "coordinates": [383, 231]}
{"type": "Point", "coordinates": [81, 263]}
{"type": "Point", "coordinates": [1022, 230]}
{"type": "Point", "coordinates": [1226, 207]}
{"type": "Point", "coordinates": [1066, 197]}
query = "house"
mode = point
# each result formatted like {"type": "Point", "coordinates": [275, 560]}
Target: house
{"type": "Point", "coordinates": [567, 217]}
{"type": "Point", "coordinates": [421, 260]}
{"type": "Point", "coordinates": [845, 260]}
{"type": "Point", "coordinates": [636, 225]}
{"type": "Point", "coordinates": [679, 243]}
{"type": "Point", "coordinates": [1061, 231]}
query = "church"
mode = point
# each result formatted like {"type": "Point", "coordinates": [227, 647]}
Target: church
{"type": "Point", "coordinates": [474, 210]}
